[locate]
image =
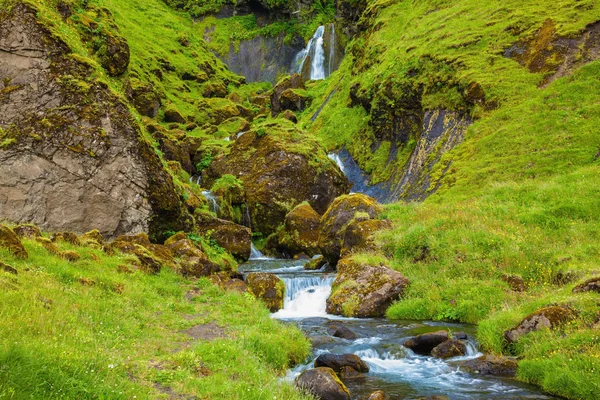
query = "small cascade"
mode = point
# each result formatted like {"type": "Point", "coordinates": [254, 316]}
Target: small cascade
{"type": "Point", "coordinates": [255, 254]}
{"type": "Point", "coordinates": [331, 50]}
{"type": "Point", "coordinates": [306, 296]}
{"type": "Point", "coordinates": [315, 54]}
{"type": "Point", "coordinates": [336, 158]}
{"type": "Point", "coordinates": [212, 201]}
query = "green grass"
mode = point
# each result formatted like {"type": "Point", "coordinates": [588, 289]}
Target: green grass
{"type": "Point", "coordinates": [117, 338]}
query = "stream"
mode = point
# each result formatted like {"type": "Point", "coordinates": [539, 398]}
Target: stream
{"type": "Point", "coordinates": [393, 368]}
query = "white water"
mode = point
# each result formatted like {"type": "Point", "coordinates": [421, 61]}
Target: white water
{"type": "Point", "coordinates": [331, 50]}
{"type": "Point", "coordinates": [214, 205]}
{"type": "Point", "coordinates": [255, 254]}
{"type": "Point", "coordinates": [305, 296]}
{"type": "Point", "coordinates": [336, 158]}
{"type": "Point", "coordinates": [314, 49]}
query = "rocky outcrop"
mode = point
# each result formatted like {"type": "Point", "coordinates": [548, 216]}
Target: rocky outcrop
{"type": "Point", "coordinates": [323, 384]}
{"type": "Point", "coordinates": [268, 288]}
{"type": "Point", "coordinates": [425, 343]}
{"type": "Point", "coordinates": [344, 211]}
{"type": "Point", "coordinates": [491, 365]}
{"type": "Point", "coordinates": [546, 318]}
{"type": "Point", "coordinates": [338, 361]}
{"type": "Point", "coordinates": [364, 291]}
{"type": "Point", "coordinates": [299, 233]}
{"type": "Point", "coordinates": [279, 168]}
{"type": "Point", "coordinates": [73, 158]}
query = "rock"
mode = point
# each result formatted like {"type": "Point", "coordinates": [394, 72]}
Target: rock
{"type": "Point", "coordinates": [341, 331]}
{"type": "Point", "coordinates": [68, 237]}
{"type": "Point", "coordinates": [337, 361]}
{"type": "Point", "coordinates": [425, 343]}
{"type": "Point", "coordinates": [292, 100]}
{"type": "Point", "coordinates": [323, 384]}
{"type": "Point", "coordinates": [546, 318]}
{"type": "Point", "coordinates": [359, 236]}
{"type": "Point", "coordinates": [321, 340]}
{"type": "Point", "coordinates": [27, 231]}
{"type": "Point", "coordinates": [315, 264]}
{"type": "Point", "coordinates": [92, 239]}
{"type": "Point", "coordinates": [378, 395]}
{"type": "Point", "coordinates": [214, 89]}
{"type": "Point", "coordinates": [234, 238]}
{"type": "Point", "coordinates": [364, 291]}
{"type": "Point", "coordinates": [236, 285]}
{"type": "Point", "coordinates": [433, 398]}
{"type": "Point", "coordinates": [115, 55]}
{"type": "Point", "coordinates": [348, 373]}
{"type": "Point", "coordinates": [48, 245]}
{"type": "Point", "coordinates": [515, 282]}
{"type": "Point", "coordinates": [286, 85]}
{"type": "Point", "coordinates": [342, 212]}
{"type": "Point", "coordinates": [283, 172]}
{"type": "Point", "coordinates": [143, 97]}
{"type": "Point", "coordinates": [79, 161]}
{"type": "Point", "coordinates": [70, 256]}
{"type": "Point", "coordinates": [8, 268]}
{"type": "Point", "coordinates": [194, 262]}
{"type": "Point", "coordinates": [300, 232]}
{"type": "Point", "coordinates": [591, 285]}
{"type": "Point", "coordinates": [290, 116]}
{"type": "Point", "coordinates": [268, 288]}
{"type": "Point", "coordinates": [10, 241]}
{"type": "Point", "coordinates": [173, 115]}
{"type": "Point", "coordinates": [450, 348]}
{"type": "Point", "coordinates": [491, 365]}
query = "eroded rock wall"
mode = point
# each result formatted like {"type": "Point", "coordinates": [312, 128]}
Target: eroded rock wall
{"type": "Point", "coordinates": [71, 156]}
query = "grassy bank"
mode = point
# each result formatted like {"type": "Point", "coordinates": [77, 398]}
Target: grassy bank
{"type": "Point", "coordinates": [92, 329]}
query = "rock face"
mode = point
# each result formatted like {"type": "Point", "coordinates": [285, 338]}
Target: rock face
{"type": "Point", "coordinates": [364, 291]}
{"type": "Point", "coordinates": [425, 343]}
{"type": "Point", "coordinates": [342, 212]}
{"type": "Point", "coordinates": [268, 288]}
{"type": "Point", "coordinates": [491, 365]}
{"type": "Point", "coordinates": [280, 169]}
{"type": "Point", "coordinates": [449, 348]}
{"type": "Point", "coordinates": [338, 361]}
{"type": "Point", "coordinates": [546, 318]}
{"type": "Point", "coordinates": [300, 232]}
{"type": "Point", "coordinates": [323, 383]}
{"type": "Point", "coordinates": [68, 166]}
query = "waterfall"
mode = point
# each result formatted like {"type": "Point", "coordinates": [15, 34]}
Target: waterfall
{"type": "Point", "coordinates": [255, 254]}
{"type": "Point", "coordinates": [315, 53]}
{"type": "Point", "coordinates": [331, 50]}
{"type": "Point", "coordinates": [336, 158]}
{"type": "Point", "coordinates": [214, 205]}
{"type": "Point", "coordinates": [305, 296]}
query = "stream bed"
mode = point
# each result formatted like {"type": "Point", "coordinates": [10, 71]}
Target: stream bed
{"type": "Point", "coordinates": [393, 368]}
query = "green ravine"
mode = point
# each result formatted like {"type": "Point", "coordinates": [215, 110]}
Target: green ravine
{"type": "Point", "coordinates": [518, 197]}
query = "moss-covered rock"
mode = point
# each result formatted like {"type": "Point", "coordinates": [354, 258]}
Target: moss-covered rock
{"type": "Point", "coordinates": [192, 260]}
{"type": "Point", "coordinates": [69, 255]}
{"type": "Point", "coordinates": [8, 269]}
{"type": "Point", "coordinates": [491, 365]}
{"type": "Point", "coordinates": [68, 237]}
{"type": "Point", "coordinates": [299, 233]}
{"type": "Point", "coordinates": [450, 348]}
{"type": "Point", "coordinates": [268, 288]}
{"type": "Point", "coordinates": [322, 383]}
{"type": "Point", "coordinates": [291, 100]}
{"type": "Point", "coordinates": [359, 236]}
{"type": "Point", "coordinates": [338, 361]}
{"type": "Point", "coordinates": [546, 318]}
{"type": "Point", "coordinates": [591, 285]}
{"type": "Point", "coordinates": [364, 291]}
{"type": "Point", "coordinates": [10, 241]}
{"type": "Point", "coordinates": [378, 395]}
{"type": "Point", "coordinates": [280, 168]}
{"type": "Point", "coordinates": [92, 239]}
{"type": "Point", "coordinates": [27, 231]}
{"type": "Point", "coordinates": [234, 238]}
{"type": "Point", "coordinates": [143, 97]}
{"type": "Point", "coordinates": [48, 245]}
{"type": "Point", "coordinates": [315, 264]}
{"type": "Point", "coordinates": [343, 212]}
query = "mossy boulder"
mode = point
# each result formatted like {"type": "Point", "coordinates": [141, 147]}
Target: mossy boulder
{"type": "Point", "coordinates": [268, 288]}
{"type": "Point", "coordinates": [545, 318]}
{"type": "Point", "coordinates": [338, 361]}
{"type": "Point", "coordinates": [234, 238]}
{"type": "Point", "coordinates": [152, 257]}
{"type": "Point", "coordinates": [343, 212]}
{"type": "Point", "coordinates": [10, 241]}
{"type": "Point", "coordinates": [8, 269]}
{"type": "Point", "coordinates": [172, 114]}
{"type": "Point", "coordinates": [515, 282]}
{"type": "Point", "coordinates": [364, 291]}
{"type": "Point", "coordinates": [491, 365]}
{"type": "Point", "coordinates": [450, 348]}
{"type": "Point", "coordinates": [92, 239]}
{"type": "Point", "coordinates": [378, 395]}
{"type": "Point", "coordinates": [27, 231]}
{"type": "Point", "coordinates": [322, 383]}
{"type": "Point", "coordinates": [359, 236]}
{"type": "Point", "coordinates": [294, 100]}
{"type": "Point", "coordinates": [214, 89]}
{"type": "Point", "coordinates": [300, 232]}
{"type": "Point", "coordinates": [48, 245]}
{"type": "Point", "coordinates": [286, 85]}
{"type": "Point", "coordinates": [425, 343]}
{"type": "Point", "coordinates": [192, 260]}
{"type": "Point", "coordinates": [68, 237]}
{"type": "Point", "coordinates": [591, 285]}
{"type": "Point", "coordinates": [143, 97]}
{"type": "Point", "coordinates": [280, 168]}
{"type": "Point", "coordinates": [71, 256]}
{"type": "Point", "coordinates": [231, 198]}
{"type": "Point", "coordinates": [315, 264]}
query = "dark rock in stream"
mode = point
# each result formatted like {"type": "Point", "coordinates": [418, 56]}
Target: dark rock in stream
{"type": "Point", "coordinates": [491, 365]}
{"type": "Point", "coordinates": [449, 348]}
{"type": "Point", "coordinates": [425, 343]}
{"type": "Point", "coordinates": [341, 331]}
{"type": "Point", "coordinates": [338, 361]}
{"type": "Point", "coordinates": [323, 383]}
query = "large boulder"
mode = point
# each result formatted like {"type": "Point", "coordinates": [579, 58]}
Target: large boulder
{"type": "Point", "coordinates": [364, 291]}
{"type": "Point", "coordinates": [338, 361]}
{"type": "Point", "coordinates": [491, 365]}
{"type": "Point", "coordinates": [450, 348]}
{"type": "Point", "coordinates": [268, 288]}
{"type": "Point", "coordinates": [286, 85]}
{"type": "Point", "coordinates": [425, 343]}
{"type": "Point", "coordinates": [10, 241]}
{"type": "Point", "coordinates": [152, 257]}
{"type": "Point", "coordinates": [76, 159]}
{"type": "Point", "coordinates": [234, 238]}
{"type": "Point", "coordinates": [343, 212]}
{"type": "Point", "coordinates": [546, 318]}
{"type": "Point", "coordinates": [359, 235]}
{"type": "Point", "coordinates": [323, 384]}
{"type": "Point", "coordinates": [280, 167]}
{"type": "Point", "coordinates": [300, 232]}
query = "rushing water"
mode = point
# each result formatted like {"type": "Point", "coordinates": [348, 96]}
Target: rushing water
{"type": "Point", "coordinates": [314, 52]}
{"type": "Point", "coordinates": [213, 203]}
{"type": "Point", "coordinates": [393, 368]}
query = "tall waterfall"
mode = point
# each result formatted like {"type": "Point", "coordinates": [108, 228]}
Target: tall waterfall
{"type": "Point", "coordinates": [321, 64]}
